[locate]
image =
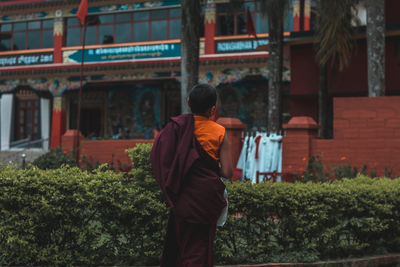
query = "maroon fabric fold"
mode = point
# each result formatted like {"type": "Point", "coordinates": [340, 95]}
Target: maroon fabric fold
{"type": "Point", "coordinates": [189, 180]}
{"type": "Point", "coordinates": [172, 155]}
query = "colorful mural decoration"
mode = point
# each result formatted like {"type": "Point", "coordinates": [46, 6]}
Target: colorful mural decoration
{"type": "Point", "coordinates": [216, 77]}
{"type": "Point", "coordinates": [54, 85]}
{"type": "Point", "coordinates": [19, 17]}
{"type": "Point", "coordinates": [57, 85]}
{"type": "Point", "coordinates": [245, 100]}
{"type": "Point", "coordinates": [134, 112]}
{"type": "Point", "coordinates": [220, 76]}
{"type": "Point", "coordinates": [123, 53]}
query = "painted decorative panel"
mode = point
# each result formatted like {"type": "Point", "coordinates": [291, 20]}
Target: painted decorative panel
{"type": "Point", "coordinates": [134, 112]}
{"type": "Point", "coordinates": [245, 100]}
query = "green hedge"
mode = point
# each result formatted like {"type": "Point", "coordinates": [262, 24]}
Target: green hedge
{"type": "Point", "coordinates": [68, 217]}
{"type": "Point", "coordinates": [281, 222]}
{"type": "Point", "coordinates": [54, 159]}
{"type": "Point", "coordinates": [71, 217]}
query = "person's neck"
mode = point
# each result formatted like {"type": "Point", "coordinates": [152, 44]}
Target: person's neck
{"type": "Point", "coordinates": [202, 115]}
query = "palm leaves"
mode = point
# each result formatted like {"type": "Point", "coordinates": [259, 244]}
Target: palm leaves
{"type": "Point", "coordinates": [335, 31]}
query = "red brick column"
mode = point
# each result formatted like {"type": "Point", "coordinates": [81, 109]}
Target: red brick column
{"type": "Point", "coordinates": [296, 144]}
{"type": "Point", "coordinates": [296, 15]}
{"type": "Point", "coordinates": [69, 140]}
{"type": "Point", "coordinates": [234, 128]}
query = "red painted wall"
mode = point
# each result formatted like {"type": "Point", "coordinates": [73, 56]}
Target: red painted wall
{"type": "Point", "coordinates": [304, 70]}
{"type": "Point", "coordinates": [354, 77]}
{"type": "Point", "coordinates": [366, 131]}
{"type": "Point", "coordinates": [392, 8]}
{"type": "Point", "coordinates": [106, 151]}
{"type": "Point", "coordinates": [352, 80]}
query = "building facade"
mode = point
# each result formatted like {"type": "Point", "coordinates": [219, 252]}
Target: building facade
{"type": "Point", "coordinates": [352, 81]}
{"type": "Point", "coordinates": [131, 71]}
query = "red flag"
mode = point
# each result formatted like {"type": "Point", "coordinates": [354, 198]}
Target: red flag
{"type": "Point", "coordinates": [82, 11]}
{"type": "Point", "coordinates": [249, 24]}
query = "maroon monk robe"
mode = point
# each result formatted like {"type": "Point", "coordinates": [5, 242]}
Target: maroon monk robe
{"type": "Point", "coordinates": [190, 183]}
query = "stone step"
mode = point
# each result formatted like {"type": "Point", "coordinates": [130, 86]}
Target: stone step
{"type": "Point", "coordinates": [15, 156]}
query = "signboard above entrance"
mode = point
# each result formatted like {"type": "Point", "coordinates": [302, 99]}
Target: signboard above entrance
{"type": "Point", "coordinates": [241, 45]}
{"type": "Point", "coordinates": [106, 54]}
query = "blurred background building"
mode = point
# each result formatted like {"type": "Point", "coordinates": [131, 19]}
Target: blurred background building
{"type": "Point", "coordinates": [131, 82]}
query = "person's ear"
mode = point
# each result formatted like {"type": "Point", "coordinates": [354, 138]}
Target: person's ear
{"type": "Point", "coordinates": [187, 101]}
{"type": "Point", "coordinates": [213, 110]}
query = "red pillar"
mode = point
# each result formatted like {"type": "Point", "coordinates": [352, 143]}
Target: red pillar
{"type": "Point", "coordinates": [69, 142]}
{"type": "Point", "coordinates": [58, 124]}
{"type": "Point", "coordinates": [210, 29]}
{"type": "Point", "coordinates": [296, 15]}
{"type": "Point", "coordinates": [234, 128]}
{"type": "Point", "coordinates": [58, 40]}
{"type": "Point", "coordinates": [307, 14]}
{"type": "Point", "coordinates": [296, 144]}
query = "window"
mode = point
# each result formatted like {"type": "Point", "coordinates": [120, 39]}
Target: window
{"type": "Point", "coordinates": [27, 125]}
{"type": "Point", "coordinates": [26, 35]}
{"type": "Point", "coordinates": [138, 26]}
{"type": "Point", "coordinates": [233, 22]}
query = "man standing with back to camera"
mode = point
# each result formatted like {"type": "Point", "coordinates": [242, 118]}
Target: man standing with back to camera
{"type": "Point", "coordinates": [189, 156]}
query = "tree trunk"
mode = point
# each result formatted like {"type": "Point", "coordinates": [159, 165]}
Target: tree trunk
{"type": "Point", "coordinates": [190, 36]}
{"type": "Point", "coordinates": [275, 30]}
{"type": "Point", "coordinates": [323, 102]}
{"type": "Point", "coordinates": [376, 47]}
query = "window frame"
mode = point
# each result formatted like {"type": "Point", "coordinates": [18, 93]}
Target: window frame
{"type": "Point", "coordinates": [28, 99]}
{"type": "Point", "coordinates": [169, 17]}
{"type": "Point", "coordinates": [235, 15]}
{"type": "Point", "coordinates": [26, 32]}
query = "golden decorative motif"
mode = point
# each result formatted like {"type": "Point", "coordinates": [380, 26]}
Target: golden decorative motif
{"type": "Point", "coordinates": [296, 8]}
{"type": "Point", "coordinates": [57, 103]}
{"type": "Point", "coordinates": [307, 8]}
{"type": "Point", "coordinates": [201, 50]}
{"type": "Point", "coordinates": [58, 27]}
{"type": "Point", "coordinates": [210, 15]}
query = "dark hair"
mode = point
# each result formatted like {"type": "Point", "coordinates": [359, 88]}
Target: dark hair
{"type": "Point", "coordinates": [202, 97]}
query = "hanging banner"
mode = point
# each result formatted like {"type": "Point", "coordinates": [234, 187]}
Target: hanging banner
{"type": "Point", "coordinates": [107, 54]}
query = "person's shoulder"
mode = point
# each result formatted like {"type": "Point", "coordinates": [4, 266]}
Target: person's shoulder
{"type": "Point", "coordinates": [218, 127]}
{"type": "Point", "coordinates": [182, 119]}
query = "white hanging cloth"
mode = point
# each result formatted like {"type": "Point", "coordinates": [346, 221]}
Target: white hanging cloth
{"type": "Point", "coordinates": [264, 157]}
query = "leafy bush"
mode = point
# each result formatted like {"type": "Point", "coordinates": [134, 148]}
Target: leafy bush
{"type": "Point", "coordinates": [67, 217]}
{"type": "Point", "coordinates": [310, 221]}
{"type": "Point", "coordinates": [141, 173]}
{"type": "Point", "coordinates": [315, 171]}
{"type": "Point", "coordinates": [345, 171]}
{"type": "Point", "coordinates": [54, 159]}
